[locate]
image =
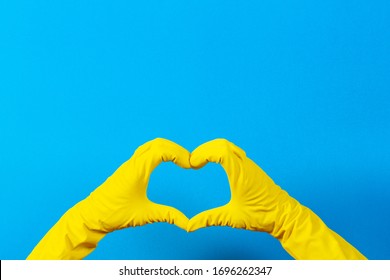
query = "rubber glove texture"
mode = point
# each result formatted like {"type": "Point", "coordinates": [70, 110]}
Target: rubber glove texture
{"type": "Point", "coordinates": [257, 203]}
{"type": "Point", "coordinates": [120, 202]}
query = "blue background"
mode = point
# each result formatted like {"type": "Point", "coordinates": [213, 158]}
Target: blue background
{"type": "Point", "coordinates": [302, 86]}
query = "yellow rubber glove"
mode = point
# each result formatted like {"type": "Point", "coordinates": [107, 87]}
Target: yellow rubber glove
{"type": "Point", "coordinates": [120, 202]}
{"type": "Point", "coordinates": [257, 203]}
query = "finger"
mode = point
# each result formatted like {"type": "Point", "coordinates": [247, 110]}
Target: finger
{"type": "Point", "coordinates": [225, 153]}
{"type": "Point", "coordinates": [213, 217]}
{"type": "Point", "coordinates": [217, 151]}
{"type": "Point", "coordinates": [163, 213]}
{"type": "Point", "coordinates": [170, 151]}
{"type": "Point", "coordinates": [158, 150]}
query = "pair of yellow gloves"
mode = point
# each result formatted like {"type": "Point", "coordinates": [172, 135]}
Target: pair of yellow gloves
{"type": "Point", "coordinates": [256, 203]}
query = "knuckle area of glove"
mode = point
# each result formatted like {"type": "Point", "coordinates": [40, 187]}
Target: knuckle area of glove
{"type": "Point", "coordinates": [161, 146]}
{"type": "Point", "coordinates": [158, 144]}
{"type": "Point", "coordinates": [223, 148]}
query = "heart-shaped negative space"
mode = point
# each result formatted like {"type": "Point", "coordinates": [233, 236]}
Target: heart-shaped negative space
{"type": "Point", "coordinates": [190, 191]}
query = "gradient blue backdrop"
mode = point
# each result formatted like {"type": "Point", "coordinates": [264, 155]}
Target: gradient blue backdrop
{"type": "Point", "coordinates": [302, 86]}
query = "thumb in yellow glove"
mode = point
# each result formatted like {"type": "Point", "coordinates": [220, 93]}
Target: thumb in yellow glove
{"type": "Point", "coordinates": [120, 202]}
{"type": "Point", "coordinates": [257, 203]}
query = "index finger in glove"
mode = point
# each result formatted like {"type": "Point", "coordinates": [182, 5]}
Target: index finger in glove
{"type": "Point", "coordinates": [220, 151]}
{"type": "Point", "coordinates": [161, 150]}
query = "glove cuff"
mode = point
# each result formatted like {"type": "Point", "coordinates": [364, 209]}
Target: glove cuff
{"type": "Point", "coordinates": [305, 236]}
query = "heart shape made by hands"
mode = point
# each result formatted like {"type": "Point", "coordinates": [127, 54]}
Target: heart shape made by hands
{"type": "Point", "coordinates": [254, 196]}
{"type": "Point", "coordinates": [256, 203]}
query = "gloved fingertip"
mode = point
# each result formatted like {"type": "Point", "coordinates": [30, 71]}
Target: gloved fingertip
{"type": "Point", "coordinates": [196, 161]}
{"type": "Point", "coordinates": [181, 223]}
{"type": "Point", "coordinates": [197, 222]}
{"type": "Point", "coordinates": [193, 227]}
{"type": "Point", "coordinates": [183, 160]}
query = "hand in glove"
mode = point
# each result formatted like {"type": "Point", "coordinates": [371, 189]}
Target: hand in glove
{"type": "Point", "coordinates": [120, 202]}
{"type": "Point", "coordinates": [257, 203]}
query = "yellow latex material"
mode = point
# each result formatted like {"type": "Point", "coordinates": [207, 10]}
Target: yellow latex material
{"type": "Point", "coordinates": [257, 203]}
{"type": "Point", "coordinates": [120, 202]}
